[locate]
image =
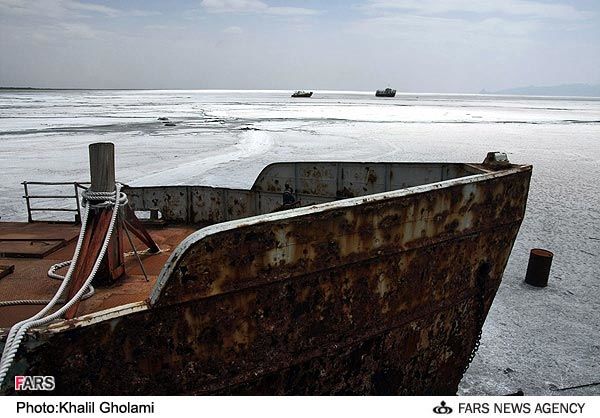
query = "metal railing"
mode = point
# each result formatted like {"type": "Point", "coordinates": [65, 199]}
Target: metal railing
{"type": "Point", "coordinates": [29, 197]}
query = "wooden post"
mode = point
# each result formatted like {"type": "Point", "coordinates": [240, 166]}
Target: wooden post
{"type": "Point", "coordinates": [102, 173]}
{"type": "Point", "coordinates": [102, 166]}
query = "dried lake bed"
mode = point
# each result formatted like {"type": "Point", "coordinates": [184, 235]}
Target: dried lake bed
{"type": "Point", "coordinates": [536, 340]}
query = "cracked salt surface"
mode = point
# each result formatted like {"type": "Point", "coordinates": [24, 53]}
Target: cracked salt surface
{"type": "Point", "coordinates": [537, 340]}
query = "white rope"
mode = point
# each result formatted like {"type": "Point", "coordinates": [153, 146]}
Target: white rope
{"type": "Point", "coordinates": [56, 296]}
{"type": "Point", "coordinates": [27, 302]}
{"type": "Point", "coordinates": [18, 331]}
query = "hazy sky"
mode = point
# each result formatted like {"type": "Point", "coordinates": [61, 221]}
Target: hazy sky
{"type": "Point", "coordinates": [412, 45]}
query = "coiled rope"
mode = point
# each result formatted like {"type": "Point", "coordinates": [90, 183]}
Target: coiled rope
{"type": "Point", "coordinates": [18, 331]}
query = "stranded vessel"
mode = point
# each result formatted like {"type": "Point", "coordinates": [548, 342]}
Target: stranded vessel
{"type": "Point", "coordinates": [388, 92]}
{"type": "Point", "coordinates": [371, 278]}
{"type": "Point", "coordinates": [301, 93]}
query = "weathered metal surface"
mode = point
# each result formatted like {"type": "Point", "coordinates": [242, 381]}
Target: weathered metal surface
{"type": "Point", "coordinates": [30, 281]}
{"type": "Point", "coordinates": [376, 294]}
{"type": "Point", "coordinates": [313, 183]}
{"type": "Point", "coordinates": [6, 269]}
{"type": "Point", "coordinates": [172, 201]}
{"type": "Point", "coordinates": [33, 240]}
{"type": "Point", "coordinates": [538, 268]}
{"type": "Point", "coordinates": [347, 231]}
{"type": "Point", "coordinates": [345, 179]}
{"type": "Point", "coordinates": [209, 205]}
{"type": "Point", "coordinates": [29, 248]}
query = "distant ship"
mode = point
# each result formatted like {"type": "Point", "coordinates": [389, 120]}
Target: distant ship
{"type": "Point", "coordinates": [385, 93]}
{"type": "Point", "coordinates": [302, 93]}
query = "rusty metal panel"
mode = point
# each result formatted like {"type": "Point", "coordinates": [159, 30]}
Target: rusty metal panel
{"type": "Point", "coordinates": [240, 204]}
{"type": "Point", "coordinates": [313, 183]}
{"type": "Point", "coordinates": [409, 175]}
{"type": "Point", "coordinates": [208, 204]}
{"type": "Point", "coordinates": [347, 179]}
{"type": "Point", "coordinates": [30, 248]}
{"type": "Point", "coordinates": [316, 179]}
{"type": "Point", "coordinates": [274, 177]}
{"type": "Point", "coordinates": [452, 171]}
{"type": "Point", "coordinates": [171, 201]}
{"type": "Point", "coordinates": [205, 205]}
{"type": "Point", "coordinates": [271, 202]}
{"type": "Point", "coordinates": [268, 202]}
{"type": "Point", "coordinates": [135, 197]}
{"type": "Point", "coordinates": [362, 179]}
{"type": "Point", "coordinates": [194, 204]}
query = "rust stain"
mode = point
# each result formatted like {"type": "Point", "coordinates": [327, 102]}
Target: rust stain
{"type": "Point", "coordinates": [371, 176]}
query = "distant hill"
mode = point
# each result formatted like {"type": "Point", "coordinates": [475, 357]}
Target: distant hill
{"type": "Point", "coordinates": [588, 90]}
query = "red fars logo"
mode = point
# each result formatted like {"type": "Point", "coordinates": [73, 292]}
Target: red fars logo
{"type": "Point", "coordinates": [34, 383]}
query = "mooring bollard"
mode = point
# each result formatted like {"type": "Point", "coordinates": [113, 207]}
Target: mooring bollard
{"type": "Point", "coordinates": [538, 269]}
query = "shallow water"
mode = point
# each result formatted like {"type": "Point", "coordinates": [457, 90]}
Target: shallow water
{"type": "Point", "coordinates": [534, 340]}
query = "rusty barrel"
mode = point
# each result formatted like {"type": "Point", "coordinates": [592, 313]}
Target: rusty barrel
{"type": "Point", "coordinates": [538, 269]}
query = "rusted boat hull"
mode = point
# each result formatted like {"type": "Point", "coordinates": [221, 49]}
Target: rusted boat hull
{"type": "Point", "coordinates": [377, 294]}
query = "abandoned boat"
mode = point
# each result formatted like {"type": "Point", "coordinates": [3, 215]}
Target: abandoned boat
{"type": "Point", "coordinates": [301, 93]}
{"type": "Point", "coordinates": [322, 278]}
{"type": "Point", "coordinates": [388, 92]}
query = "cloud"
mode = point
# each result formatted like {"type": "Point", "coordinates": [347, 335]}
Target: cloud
{"type": "Point", "coordinates": [525, 8]}
{"type": "Point", "coordinates": [56, 21]}
{"type": "Point", "coordinates": [442, 29]}
{"type": "Point", "coordinates": [291, 11]}
{"type": "Point", "coordinates": [64, 9]}
{"type": "Point", "coordinates": [55, 33]}
{"type": "Point", "coordinates": [468, 22]}
{"type": "Point", "coordinates": [254, 6]}
{"type": "Point", "coordinates": [91, 7]}
{"type": "Point", "coordinates": [233, 30]}
{"type": "Point", "coordinates": [234, 6]}
{"type": "Point", "coordinates": [77, 30]}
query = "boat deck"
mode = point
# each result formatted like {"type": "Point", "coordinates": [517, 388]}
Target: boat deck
{"type": "Point", "coordinates": [31, 248]}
